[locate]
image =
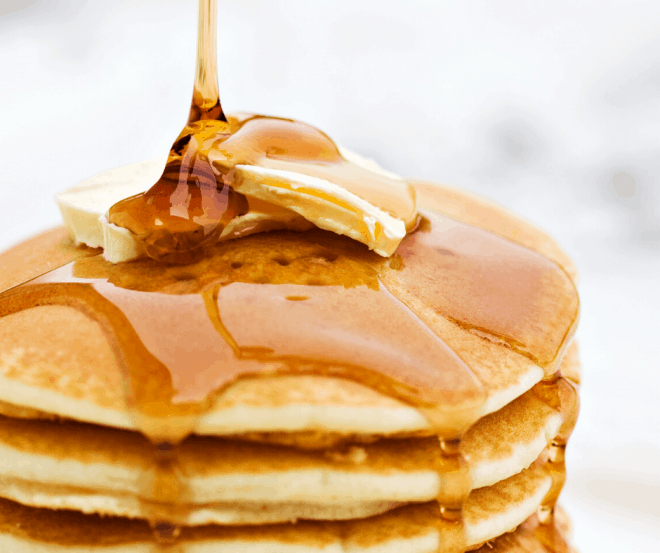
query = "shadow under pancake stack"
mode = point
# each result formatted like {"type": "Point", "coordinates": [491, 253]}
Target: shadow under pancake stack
{"type": "Point", "coordinates": [366, 376]}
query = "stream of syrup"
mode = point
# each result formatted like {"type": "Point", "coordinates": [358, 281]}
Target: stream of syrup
{"type": "Point", "coordinates": [193, 201]}
{"type": "Point", "coordinates": [183, 334]}
{"type": "Point", "coordinates": [560, 394]}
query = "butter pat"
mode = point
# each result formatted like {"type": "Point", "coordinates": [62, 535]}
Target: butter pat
{"type": "Point", "coordinates": [83, 206]}
{"type": "Point", "coordinates": [323, 203]}
{"type": "Point", "coordinates": [277, 199]}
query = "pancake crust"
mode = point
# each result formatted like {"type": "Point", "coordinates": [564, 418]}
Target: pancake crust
{"type": "Point", "coordinates": [30, 360]}
{"type": "Point", "coordinates": [478, 211]}
{"type": "Point", "coordinates": [571, 367]}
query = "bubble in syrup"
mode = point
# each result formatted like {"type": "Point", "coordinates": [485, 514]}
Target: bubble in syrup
{"type": "Point", "coordinates": [165, 532]}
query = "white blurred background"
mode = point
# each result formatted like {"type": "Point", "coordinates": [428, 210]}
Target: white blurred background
{"type": "Point", "coordinates": [550, 108]}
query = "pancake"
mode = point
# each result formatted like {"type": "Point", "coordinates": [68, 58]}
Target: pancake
{"type": "Point", "coordinates": [359, 462]}
{"type": "Point", "coordinates": [488, 514]}
{"type": "Point", "coordinates": [521, 540]}
{"type": "Point", "coordinates": [96, 394]}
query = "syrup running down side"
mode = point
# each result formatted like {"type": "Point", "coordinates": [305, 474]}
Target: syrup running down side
{"type": "Point", "coordinates": [560, 394]}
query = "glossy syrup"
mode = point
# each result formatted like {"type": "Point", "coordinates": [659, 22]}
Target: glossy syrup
{"type": "Point", "coordinates": [336, 316]}
{"type": "Point", "coordinates": [560, 394]}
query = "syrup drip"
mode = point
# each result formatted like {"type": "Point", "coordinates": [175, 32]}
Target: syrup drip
{"type": "Point", "coordinates": [164, 491]}
{"type": "Point", "coordinates": [560, 394]}
{"type": "Point", "coordinates": [452, 497]}
{"type": "Point", "coordinates": [183, 334]}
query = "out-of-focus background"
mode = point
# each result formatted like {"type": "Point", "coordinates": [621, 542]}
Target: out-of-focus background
{"type": "Point", "coordinates": [550, 108]}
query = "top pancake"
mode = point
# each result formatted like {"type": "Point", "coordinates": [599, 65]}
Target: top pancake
{"type": "Point", "coordinates": [56, 360]}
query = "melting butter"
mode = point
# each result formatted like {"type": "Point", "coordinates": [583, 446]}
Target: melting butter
{"type": "Point", "coordinates": [286, 163]}
{"type": "Point", "coordinates": [277, 199]}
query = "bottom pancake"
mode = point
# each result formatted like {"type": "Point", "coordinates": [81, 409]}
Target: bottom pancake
{"type": "Point", "coordinates": [15, 520]}
{"type": "Point", "coordinates": [489, 513]}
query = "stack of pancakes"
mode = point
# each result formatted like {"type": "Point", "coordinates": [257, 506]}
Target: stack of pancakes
{"type": "Point", "coordinates": [282, 462]}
